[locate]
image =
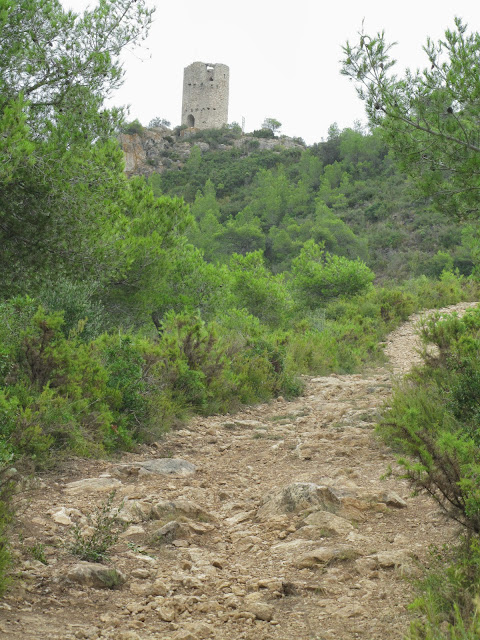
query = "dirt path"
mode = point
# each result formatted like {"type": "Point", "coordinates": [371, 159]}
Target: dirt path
{"type": "Point", "coordinates": [283, 530]}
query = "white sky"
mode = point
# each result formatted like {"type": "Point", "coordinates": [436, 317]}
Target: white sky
{"type": "Point", "coordinates": [283, 57]}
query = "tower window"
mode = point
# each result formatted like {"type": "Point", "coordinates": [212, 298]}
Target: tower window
{"type": "Point", "coordinates": [190, 120]}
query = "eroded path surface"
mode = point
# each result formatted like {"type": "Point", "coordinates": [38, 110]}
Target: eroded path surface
{"type": "Point", "coordinates": [284, 529]}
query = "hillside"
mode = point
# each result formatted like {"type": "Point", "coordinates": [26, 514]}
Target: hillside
{"type": "Point", "coordinates": [250, 193]}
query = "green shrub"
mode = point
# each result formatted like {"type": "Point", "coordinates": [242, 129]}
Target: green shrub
{"type": "Point", "coordinates": [106, 526]}
{"type": "Point", "coordinates": [78, 302]}
{"type": "Point", "coordinates": [433, 419]}
{"type": "Point", "coordinates": [190, 359]}
{"type": "Point", "coordinates": [448, 595]}
{"type": "Point", "coordinates": [318, 276]}
{"type": "Point", "coordinates": [263, 133]}
{"type": "Point", "coordinates": [134, 127]}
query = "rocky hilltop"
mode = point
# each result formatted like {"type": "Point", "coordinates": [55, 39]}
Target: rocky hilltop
{"type": "Point", "coordinates": [159, 149]}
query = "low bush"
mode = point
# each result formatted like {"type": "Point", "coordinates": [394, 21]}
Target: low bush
{"type": "Point", "coordinates": [434, 424]}
{"type": "Point", "coordinates": [434, 418]}
{"type": "Point", "coordinates": [448, 602]}
{"type": "Point", "coordinates": [134, 127]}
{"type": "Point", "coordinates": [105, 528]}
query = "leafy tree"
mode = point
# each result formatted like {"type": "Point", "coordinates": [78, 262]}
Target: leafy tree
{"type": "Point", "coordinates": [143, 231]}
{"type": "Point", "coordinates": [241, 236]}
{"type": "Point", "coordinates": [272, 124]}
{"type": "Point", "coordinates": [262, 133]}
{"type": "Point", "coordinates": [60, 168]}
{"type": "Point", "coordinates": [429, 117]}
{"type": "Point", "coordinates": [133, 127]}
{"type": "Point", "coordinates": [159, 122]}
{"type": "Point", "coordinates": [257, 290]}
{"type": "Point", "coordinates": [318, 276]}
{"type": "Point", "coordinates": [206, 202]}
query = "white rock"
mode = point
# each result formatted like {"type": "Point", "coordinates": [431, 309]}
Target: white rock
{"type": "Point", "coordinates": [92, 485]}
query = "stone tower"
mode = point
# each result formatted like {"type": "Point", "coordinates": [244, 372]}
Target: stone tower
{"type": "Point", "coordinates": [205, 95]}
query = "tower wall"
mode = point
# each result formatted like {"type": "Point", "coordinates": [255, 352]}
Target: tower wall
{"type": "Point", "coordinates": [205, 95]}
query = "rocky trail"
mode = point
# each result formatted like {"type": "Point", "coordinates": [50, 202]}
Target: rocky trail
{"type": "Point", "coordinates": [273, 523]}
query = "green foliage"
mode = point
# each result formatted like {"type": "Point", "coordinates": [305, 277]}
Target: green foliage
{"type": "Point", "coordinates": [434, 418]}
{"type": "Point", "coordinates": [191, 361]}
{"type": "Point", "coordinates": [428, 117]}
{"type": "Point", "coordinates": [53, 124]}
{"type": "Point", "coordinates": [266, 132]}
{"type": "Point", "coordinates": [319, 276]}
{"type": "Point", "coordinates": [254, 288]}
{"type": "Point", "coordinates": [37, 551]}
{"type": "Point", "coordinates": [159, 122]}
{"type": "Point", "coordinates": [95, 545]}
{"type": "Point", "coordinates": [83, 311]}
{"type": "Point", "coordinates": [272, 124]}
{"type": "Point", "coordinates": [448, 597]}
{"type": "Point", "coordinates": [132, 128]}
{"type": "Point", "coordinates": [216, 137]}
{"type": "Point", "coordinates": [344, 192]}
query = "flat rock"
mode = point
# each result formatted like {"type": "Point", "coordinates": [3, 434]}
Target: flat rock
{"type": "Point", "coordinates": [95, 575]}
{"type": "Point", "coordinates": [165, 613]}
{"type": "Point", "coordinates": [329, 523]}
{"type": "Point", "coordinates": [133, 531]}
{"type": "Point", "coordinates": [169, 466]}
{"type": "Point", "coordinates": [62, 517]}
{"type": "Point", "coordinates": [167, 508]}
{"type": "Point", "coordinates": [92, 485]}
{"type": "Point", "coordinates": [391, 559]}
{"type": "Point", "coordinates": [261, 610]}
{"type": "Point", "coordinates": [199, 630]}
{"type": "Point", "coordinates": [161, 466]}
{"type": "Point", "coordinates": [322, 556]}
{"type": "Point", "coordinates": [136, 511]}
{"type": "Point", "coordinates": [292, 548]}
{"type": "Point", "coordinates": [296, 497]}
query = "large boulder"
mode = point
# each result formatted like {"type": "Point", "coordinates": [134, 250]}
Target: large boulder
{"type": "Point", "coordinates": [323, 556]}
{"type": "Point", "coordinates": [297, 497]}
{"type": "Point", "coordinates": [90, 574]}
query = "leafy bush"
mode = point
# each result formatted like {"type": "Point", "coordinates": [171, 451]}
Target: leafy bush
{"type": "Point", "coordinates": [159, 122]}
{"type": "Point", "coordinates": [447, 600]}
{"type": "Point", "coordinates": [134, 127]}
{"type": "Point", "coordinates": [257, 290]}
{"type": "Point", "coordinates": [79, 303]}
{"type": "Point", "coordinates": [263, 133]}
{"type": "Point", "coordinates": [434, 418]}
{"type": "Point", "coordinates": [318, 276]}
{"type": "Point", "coordinates": [105, 525]}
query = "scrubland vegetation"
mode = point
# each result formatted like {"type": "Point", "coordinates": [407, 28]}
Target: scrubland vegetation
{"type": "Point", "coordinates": [126, 306]}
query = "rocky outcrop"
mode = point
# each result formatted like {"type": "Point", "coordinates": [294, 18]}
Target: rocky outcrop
{"type": "Point", "coordinates": [159, 149]}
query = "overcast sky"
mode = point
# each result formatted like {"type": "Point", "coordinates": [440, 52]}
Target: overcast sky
{"type": "Point", "coordinates": [283, 57]}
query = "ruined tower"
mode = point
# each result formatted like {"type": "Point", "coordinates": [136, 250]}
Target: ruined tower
{"type": "Point", "coordinates": [205, 95]}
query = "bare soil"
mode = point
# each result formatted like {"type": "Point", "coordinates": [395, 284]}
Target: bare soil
{"type": "Point", "coordinates": [238, 566]}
